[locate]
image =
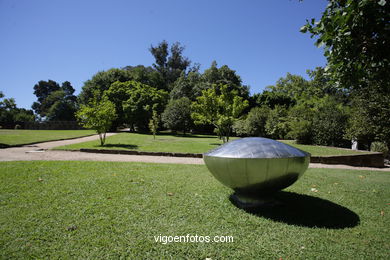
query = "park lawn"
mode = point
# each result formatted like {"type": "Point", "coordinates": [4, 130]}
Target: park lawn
{"type": "Point", "coordinates": [90, 210]}
{"type": "Point", "coordinates": [182, 144]}
{"type": "Point", "coordinates": [9, 137]}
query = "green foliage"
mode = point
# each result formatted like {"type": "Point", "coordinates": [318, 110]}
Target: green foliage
{"type": "Point", "coordinates": [220, 107]}
{"type": "Point", "coordinates": [240, 127]}
{"type": "Point", "coordinates": [55, 103]}
{"type": "Point", "coordinates": [223, 76]}
{"type": "Point", "coordinates": [9, 112]}
{"type": "Point", "coordinates": [293, 86]}
{"type": "Point", "coordinates": [330, 122]}
{"type": "Point", "coordinates": [300, 123]}
{"type": "Point", "coordinates": [380, 147]}
{"type": "Point", "coordinates": [169, 62]}
{"type": "Point", "coordinates": [188, 85]}
{"type": "Point", "coordinates": [153, 123]}
{"type": "Point", "coordinates": [277, 123]}
{"type": "Point", "coordinates": [102, 81]}
{"type": "Point", "coordinates": [355, 35]}
{"type": "Point", "coordinates": [177, 115]}
{"type": "Point", "coordinates": [273, 98]}
{"type": "Point", "coordinates": [370, 117]}
{"type": "Point", "coordinates": [141, 101]}
{"type": "Point", "coordinates": [256, 120]}
{"type": "Point", "coordinates": [97, 115]}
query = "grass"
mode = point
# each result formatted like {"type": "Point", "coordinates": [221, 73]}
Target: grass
{"type": "Point", "coordinates": [180, 144]}
{"type": "Point", "coordinates": [105, 210]}
{"type": "Point", "coordinates": [21, 137]}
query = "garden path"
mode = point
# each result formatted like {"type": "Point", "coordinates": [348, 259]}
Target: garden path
{"type": "Point", "coordinates": [42, 152]}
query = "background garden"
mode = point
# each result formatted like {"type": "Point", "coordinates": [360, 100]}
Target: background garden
{"type": "Point", "coordinates": [346, 100]}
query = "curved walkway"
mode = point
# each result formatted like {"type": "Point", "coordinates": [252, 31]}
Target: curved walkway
{"type": "Point", "coordinates": [41, 151]}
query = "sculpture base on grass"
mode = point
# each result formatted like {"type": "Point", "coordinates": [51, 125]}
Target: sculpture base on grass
{"type": "Point", "coordinates": [253, 202]}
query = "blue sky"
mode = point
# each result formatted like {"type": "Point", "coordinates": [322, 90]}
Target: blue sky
{"type": "Point", "coordinates": [73, 39]}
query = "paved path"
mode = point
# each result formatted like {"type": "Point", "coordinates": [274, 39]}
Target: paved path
{"type": "Point", "coordinates": [42, 151]}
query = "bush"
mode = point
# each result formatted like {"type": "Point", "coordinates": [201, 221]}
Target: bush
{"type": "Point", "coordinates": [380, 147]}
{"type": "Point", "coordinates": [256, 120]}
{"type": "Point", "coordinates": [277, 126]}
{"type": "Point", "coordinates": [330, 123]}
{"type": "Point", "coordinates": [301, 131]}
{"type": "Point", "coordinates": [240, 127]}
{"type": "Point", "coordinates": [177, 115]}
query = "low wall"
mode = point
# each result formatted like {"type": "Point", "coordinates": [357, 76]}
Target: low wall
{"type": "Point", "coordinates": [362, 160]}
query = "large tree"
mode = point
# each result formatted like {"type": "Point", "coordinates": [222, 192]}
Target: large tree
{"type": "Point", "coordinates": [55, 102]}
{"type": "Point", "coordinates": [355, 35]}
{"type": "Point", "coordinates": [169, 62]}
{"type": "Point", "coordinates": [9, 112]}
{"type": "Point", "coordinates": [102, 81]}
{"type": "Point", "coordinates": [137, 102]}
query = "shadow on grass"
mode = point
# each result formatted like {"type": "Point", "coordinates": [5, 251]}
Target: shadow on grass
{"type": "Point", "coordinates": [216, 144]}
{"type": "Point", "coordinates": [126, 146]}
{"type": "Point", "coordinates": [307, 211]}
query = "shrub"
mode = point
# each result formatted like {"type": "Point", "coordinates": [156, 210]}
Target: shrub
{"type": "Point", "coordinates": [240, 127]}
{"type": "Point", "coordinates": [277, 126]}
{"type": "Point", "coordinates": [380, 147]}
{"type": "Point", "coordinates": [177, 115]}
{"type": "Point", "coordinates": [256, 120]}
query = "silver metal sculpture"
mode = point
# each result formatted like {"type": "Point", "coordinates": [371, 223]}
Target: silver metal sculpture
{"type": "Point", "coordinates": [254, 166]}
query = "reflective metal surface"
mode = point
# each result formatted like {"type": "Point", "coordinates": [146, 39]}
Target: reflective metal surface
{"type": "Point", "coordinates": [256, 165]}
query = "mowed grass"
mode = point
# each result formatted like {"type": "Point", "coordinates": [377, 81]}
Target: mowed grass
{"type": "Point", "coordinates": [183, 144]}
{"type": "Point", "coordinates": [106, 210]}
{"type": "Point", "coordinates": [9, 137]}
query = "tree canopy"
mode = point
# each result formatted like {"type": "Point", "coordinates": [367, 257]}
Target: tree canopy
{"type": "Point", "coordinates": [55, 102]}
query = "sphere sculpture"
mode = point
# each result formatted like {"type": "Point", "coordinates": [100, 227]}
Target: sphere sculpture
{"type": "Point", "coordinates": [256, 166]}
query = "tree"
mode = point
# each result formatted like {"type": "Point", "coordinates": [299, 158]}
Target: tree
{"type": "Point", "coordinates": [220, 107]}
{"type": "Point", "coordinates": [169, 62]}
{"type": "Point", "coordinates": [102, 81]}
{"type": "Point", "coordinates": [98, 115]}
{"type": "Point", "coordinates": [330, 122]}
{"type": "Point", "coordinates": [293, 86]}
{"type": "Point", "coordinates": [9, 112]}
{"type": "Point", "coordinates": [55, 102]}
{"type": "Point", "coordinates": [223, 76]}
{"type": "Point", "coordinates": [153, 123]}
{"type": "Point", "coordinates": [141, 102]}
{"type": "Point", "coordinates": [273, 99]}
{"type": "Point", "coordinates": [145, 75]}
{"type": "Point", "coordinates": [355, 35]}
{"type": "Point", "coordinates": [277, 124]}
{"type": "Point", "coordinates": [177, 115]}
{"type": "Point", "coordinates": [187, 85]}
{"type": "Point", "coordinates": [256, 120]}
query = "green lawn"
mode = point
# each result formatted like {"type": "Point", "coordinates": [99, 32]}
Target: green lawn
{"type": "Point", "coordinates": [10, 137]}
{"type": "Point", "coordinates": [180, 144]}
{"type": "Point", "coordinates": [105, 210]}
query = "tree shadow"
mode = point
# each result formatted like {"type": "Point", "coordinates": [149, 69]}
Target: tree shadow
{"type": "Point", "coordinates": [303, 210]}
{"type": "Point", "coordinates": [126, 146]}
